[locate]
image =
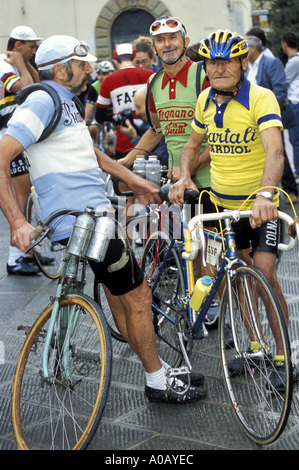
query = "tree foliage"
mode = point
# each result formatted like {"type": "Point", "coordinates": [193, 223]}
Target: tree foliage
{"type": "Point", "coordinates": [283, 16]}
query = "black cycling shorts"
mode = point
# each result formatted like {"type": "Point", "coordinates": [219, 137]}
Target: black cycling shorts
{"type": "Point", "coordinates": [119, 282]}
{"type": "Point", "coordinates": [264, 238]}
{"type": "Point", "coordinates": [18, 166]}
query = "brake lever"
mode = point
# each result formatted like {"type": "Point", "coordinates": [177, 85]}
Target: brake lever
{"type": "Point", "coordinates": [38, 235]}
{"type": "Point", "coordinates": [121, 193]}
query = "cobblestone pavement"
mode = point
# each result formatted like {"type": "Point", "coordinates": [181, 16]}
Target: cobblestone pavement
{"type": "Point", "coordinates": [130, 423]}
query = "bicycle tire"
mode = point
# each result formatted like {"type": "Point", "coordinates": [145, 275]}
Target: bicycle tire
{"type": "Point", "coordinates": [169, 295]}
{"type": "Point", "coordinates": [64, 411]}
{"type": "Point", "coordinates": [142, 223]}
{"type": "Point", "coordinates": [262, 411]}
{"type": "Point", "coordinates": [50, 250]}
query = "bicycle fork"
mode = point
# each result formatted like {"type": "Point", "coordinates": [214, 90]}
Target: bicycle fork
{"type": "Point", "coordinates": [67, 325]}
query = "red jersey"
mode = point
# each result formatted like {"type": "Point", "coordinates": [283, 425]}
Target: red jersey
{"type": "Point", "coordinates": [118, 89]}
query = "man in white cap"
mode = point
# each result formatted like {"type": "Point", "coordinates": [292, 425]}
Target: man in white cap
{"type": "Point", "coordinates": [118, 89]}
{"type": "Point", "coordinates": [16, 72]}
{"type": "Point", "coordinates": [65, 169]}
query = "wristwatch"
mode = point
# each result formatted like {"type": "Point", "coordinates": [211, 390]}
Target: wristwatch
{"type": "Point", "coordinates": [265, 194]}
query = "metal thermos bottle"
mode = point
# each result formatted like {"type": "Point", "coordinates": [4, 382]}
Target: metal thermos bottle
{"type": "Point", "coordinates": [139, 167]}
{"type": "Point", "coordinates": [153, 170]}
{"type": "Point", "coordinates": [103, 232]}
{"type": "Point", "coordinates": [81, 233]}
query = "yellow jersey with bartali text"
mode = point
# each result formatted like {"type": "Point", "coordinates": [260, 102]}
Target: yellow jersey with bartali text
{"type": "Point", "coordinates": [234, 134]}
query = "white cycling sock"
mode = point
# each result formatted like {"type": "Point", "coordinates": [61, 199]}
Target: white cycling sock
{"type": "Point", "coordinates": [13, 254]}
{"type": "Point", "coordinates": [156, 379]}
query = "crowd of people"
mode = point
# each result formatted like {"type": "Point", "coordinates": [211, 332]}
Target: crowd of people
{"type": "Point", "coordinates": [217, 109]}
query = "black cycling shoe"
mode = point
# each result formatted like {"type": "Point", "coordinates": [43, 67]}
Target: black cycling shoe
{"type": "Point", "coordinates": [175, 394]}
{"type": "Point", "coordinates": [195, 379]}
{"type": "Point", "coordinates": [44, 260]}
{"type": "Point", "coordinates": [228, 335]}
{"type": "Point", "coordinates": [23, 266]}
{"type": "Point", "coordinates": [277, 378]}
{"type": "Point", "coordinates": [236, 366]}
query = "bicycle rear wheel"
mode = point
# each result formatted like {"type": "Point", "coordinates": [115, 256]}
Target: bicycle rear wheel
{"type": "Point", "coordinates": [50, 256]}
{"type": "Point", "coordinates": [164, 273]}
{"type": "Point", "coordinates": [248, 362]}
{"type": "Point", "coordinates": [63, 411]}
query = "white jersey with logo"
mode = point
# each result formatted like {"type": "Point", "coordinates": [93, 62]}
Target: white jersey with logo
{"type": "Point", "coordinates": [63, 168]}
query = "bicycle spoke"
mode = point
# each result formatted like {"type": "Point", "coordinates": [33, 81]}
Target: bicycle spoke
{"type": "Point", "coordinates": [65, 407]}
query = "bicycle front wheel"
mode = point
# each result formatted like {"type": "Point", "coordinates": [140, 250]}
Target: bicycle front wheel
{"type": "Point", "coordinates": [251, 312]}
{"type": "Point", "coordinates": [63, 410]}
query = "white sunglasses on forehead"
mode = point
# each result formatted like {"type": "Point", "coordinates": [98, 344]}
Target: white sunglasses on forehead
{"type": "Point", "coordinates": [170, 23]}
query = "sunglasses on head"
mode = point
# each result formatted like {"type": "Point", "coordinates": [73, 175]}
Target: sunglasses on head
{"type": "Point", "coordinates": [171, 23]}
{"type": "Point", "coordinates": [80, 50]}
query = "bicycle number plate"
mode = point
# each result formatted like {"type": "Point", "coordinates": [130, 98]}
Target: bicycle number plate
{"type": "Point", "coordinates": [213, 251]}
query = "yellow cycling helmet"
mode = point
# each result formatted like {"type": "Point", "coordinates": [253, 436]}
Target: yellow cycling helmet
{"type": "Point", "coordinates": [223, 45]}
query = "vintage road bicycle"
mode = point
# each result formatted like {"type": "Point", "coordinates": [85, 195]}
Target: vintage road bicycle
{"type": "Point", "coordinates": [63, 373]}
{"type": "Point", "coordinates": [249, 307]}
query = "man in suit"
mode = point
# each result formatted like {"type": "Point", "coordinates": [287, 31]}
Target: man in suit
{"type": "Point", "coordinates": [289, 44]}
{"type": "Point", "coordinates": [268, 72]}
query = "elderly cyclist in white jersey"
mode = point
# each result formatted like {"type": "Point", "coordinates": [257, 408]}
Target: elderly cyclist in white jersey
{"type": "Point", "coordinates": [66, 172]}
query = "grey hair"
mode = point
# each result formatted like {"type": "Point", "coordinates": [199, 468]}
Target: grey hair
{"type": "Point", "coordinates": [254, 41]}
{"type": "Point", "coordinates": [49, 74]}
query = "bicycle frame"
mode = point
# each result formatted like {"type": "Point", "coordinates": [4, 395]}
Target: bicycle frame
{"type": "Point", "coordinates": [69, 282]}
{"type": "Point", "coordinates": [196, 318]}
{"type": "Point", "coordinates": [230, 260]}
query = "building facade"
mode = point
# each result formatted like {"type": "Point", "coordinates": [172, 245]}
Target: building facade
{"type": "Point", "coordinates": [104, 23]}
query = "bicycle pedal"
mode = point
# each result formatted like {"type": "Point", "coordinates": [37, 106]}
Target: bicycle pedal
{"type": "Point", "coordinates": [26, 329]}
{"type": "Point", "coordinates": [175, 371]}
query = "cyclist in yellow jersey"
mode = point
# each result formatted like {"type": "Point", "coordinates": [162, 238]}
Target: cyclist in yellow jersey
{"type": "Point", "coordinates": [243, 125]}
